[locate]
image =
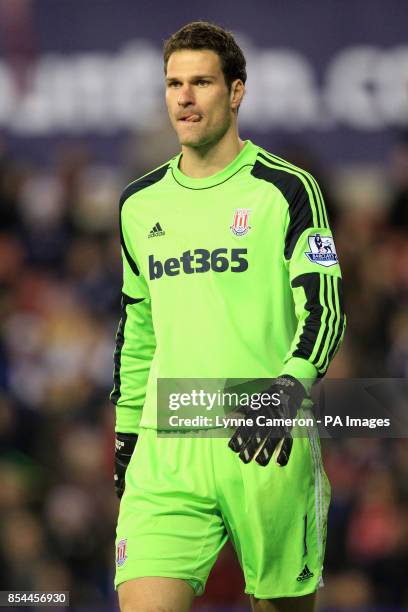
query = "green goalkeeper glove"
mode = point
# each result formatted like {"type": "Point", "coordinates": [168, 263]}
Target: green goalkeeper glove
{"type": "Point", "coordinates": [259, 441]}
{"type": "Point", "coordinates": [124, 447]}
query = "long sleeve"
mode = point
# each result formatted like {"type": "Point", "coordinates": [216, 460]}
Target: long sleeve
{"type": "Point", "coordinates": [315, 279]}
{"type": "Point", "coordinates": [135, 344]}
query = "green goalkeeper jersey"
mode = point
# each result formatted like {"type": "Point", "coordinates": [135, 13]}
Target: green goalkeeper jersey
{"type": "Point", "coordinates": [230, 276]}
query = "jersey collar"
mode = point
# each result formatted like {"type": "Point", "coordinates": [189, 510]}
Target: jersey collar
{"type": "Point", "coordinates": [246, 157]}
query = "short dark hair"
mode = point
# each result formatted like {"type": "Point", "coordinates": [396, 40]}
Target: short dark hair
{"type": "Point", "coordinates": [203, 35]}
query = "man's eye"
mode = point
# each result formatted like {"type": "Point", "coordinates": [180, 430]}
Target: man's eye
{"type": "Point", "coordinates": [202, 83]}
{"type": "Point", "coordinates": [173, 84]}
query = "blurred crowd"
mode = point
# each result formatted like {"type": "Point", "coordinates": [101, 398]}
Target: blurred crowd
{"type": "Point", "coordinates": [60, 282]}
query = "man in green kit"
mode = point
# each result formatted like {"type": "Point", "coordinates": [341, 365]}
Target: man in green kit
{"type": "Point", "coordinates": [230, 271]}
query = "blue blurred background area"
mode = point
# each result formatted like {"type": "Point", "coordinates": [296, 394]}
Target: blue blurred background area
{"type": "Point", "coordinates": [81, 114]}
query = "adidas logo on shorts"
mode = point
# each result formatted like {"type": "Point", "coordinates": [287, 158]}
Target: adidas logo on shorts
{"type": "Point", "coordinates": [305, 574]}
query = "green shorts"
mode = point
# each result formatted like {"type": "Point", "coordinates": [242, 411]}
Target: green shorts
{"type": "Point", "coordinates": [185, 496]}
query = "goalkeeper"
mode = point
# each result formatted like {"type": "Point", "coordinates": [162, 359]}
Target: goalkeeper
{"type": "Point", "coordinates": [223, 278]}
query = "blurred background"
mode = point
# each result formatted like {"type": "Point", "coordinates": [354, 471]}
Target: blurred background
{"type": "Point", "coordinates": [82, 114]}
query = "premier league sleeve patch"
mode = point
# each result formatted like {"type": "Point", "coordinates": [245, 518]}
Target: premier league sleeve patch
{"type": "Point", "coordinates": [322, 250]}
{"type": "Point", "coordinates": [121, 553]}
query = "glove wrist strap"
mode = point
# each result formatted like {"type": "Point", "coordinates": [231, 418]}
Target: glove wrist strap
{"type": "Point", "coordinates": [292, 387]}
{"type": "Point", "coordinates": [125, 444]}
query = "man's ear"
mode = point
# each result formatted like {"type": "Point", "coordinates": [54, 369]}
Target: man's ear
{"type": "Point", "coordinates": [237, 93]}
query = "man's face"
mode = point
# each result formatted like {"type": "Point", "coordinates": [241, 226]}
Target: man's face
{"type": "Point", "coordinates": [197, 97]}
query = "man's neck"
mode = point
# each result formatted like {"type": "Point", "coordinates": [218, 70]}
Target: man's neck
{"type": "Point", "coordinates": [206, 161]}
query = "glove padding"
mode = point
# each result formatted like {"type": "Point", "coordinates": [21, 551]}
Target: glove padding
{"type": "Point", "coordinates": [124, 447]}
{"type": "Point", "coordinates": [261, 441]}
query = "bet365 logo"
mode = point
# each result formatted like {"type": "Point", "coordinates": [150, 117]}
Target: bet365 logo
{"type": "Point", "coordinates": [199, 261]}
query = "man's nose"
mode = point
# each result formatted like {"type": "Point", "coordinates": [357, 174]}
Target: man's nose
{"type": "Point", "coordinates": [185, 96]}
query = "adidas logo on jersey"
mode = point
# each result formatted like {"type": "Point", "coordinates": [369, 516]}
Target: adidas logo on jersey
{"type": "Point", "coordinates": [305, 574]}
{"type": "Point", "coordinates": [156, 231]}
